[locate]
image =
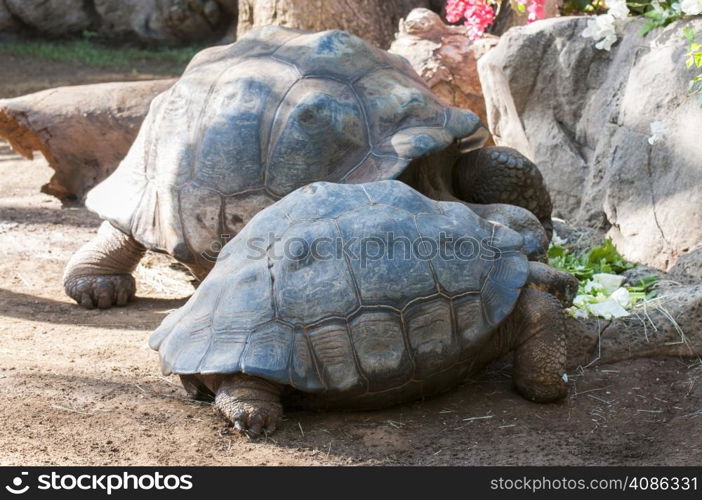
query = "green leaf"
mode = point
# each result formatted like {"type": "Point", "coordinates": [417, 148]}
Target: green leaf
{"type": "Point", "coordinates": [606, 259]}
{"type": "Point", "coordinates": [556, 251]}
{"type": "Point", "coordinates": [647, 28]}
{"type": "Point", "coordinates": [580, 4]}
{"type": "Point", "coordinates": [688, 33]}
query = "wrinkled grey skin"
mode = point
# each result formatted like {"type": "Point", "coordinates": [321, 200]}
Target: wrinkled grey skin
{"type": "Point", "coordinates": [285, 318]}
{"type": "Point", "coordinates": [250, 122]}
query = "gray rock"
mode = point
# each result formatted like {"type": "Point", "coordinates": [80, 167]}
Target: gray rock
{"type": "Point", "coordinates": [583, 115]}
{"type": "Point", "coordinates": [8, 23]}
{"type": "Point", "coordinates": [173, 21]}
{"type": "Point", "coordinates": [52, 17]}
{"type": "Point", "coordinates": [668, 325]}
{"type": "Point", "coordinates": [635, 274]}
{"type": "Point", "coordinates": [579, 239]}
{"type": "Point", "coordinates": [688, 268]}
{"type": "Point", "coordinates": [161, 20]}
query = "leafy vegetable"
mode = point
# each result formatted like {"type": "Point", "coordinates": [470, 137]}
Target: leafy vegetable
{"type": "Point", "coordinates": [600, 259]}
{"type": "Point", "coordinates": [600, 290]}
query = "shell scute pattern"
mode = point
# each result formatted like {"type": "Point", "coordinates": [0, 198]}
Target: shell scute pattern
{"type": "Point", "coordinates": [331, 324]}
{"type": "Point", "coordinates": [431, 335]}
{"type": "Point", "coordinates": [379, 340]}
{"type": "Point", "coordinates": [248, 123]}
{"type": "Point", "coordinates": [336, 356]}
{"type": "Point", "coordinates": [307, 275]}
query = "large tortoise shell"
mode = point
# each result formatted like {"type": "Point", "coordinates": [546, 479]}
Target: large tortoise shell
{"type": "Point", "coordinates": [250, 122]}
{"type": "Point", "coordinates": [295, 299]}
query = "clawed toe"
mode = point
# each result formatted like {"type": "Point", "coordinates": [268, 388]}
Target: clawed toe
{"type": "Point", "coordinates": [251, 418]}
{"type": "Point", "coordinates": [102, 291]}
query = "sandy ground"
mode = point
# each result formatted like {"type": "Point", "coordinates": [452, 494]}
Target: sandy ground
{"type": "Point", "coordinates": [22, 76]}
{"type": "Point", "coordinates": [82, 387]}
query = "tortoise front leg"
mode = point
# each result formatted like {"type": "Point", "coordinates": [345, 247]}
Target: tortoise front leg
{"type": "Point", "coordinates": [562, 285]}
{"type": "Point", "coordinates": [537, 329]}
{"type": "Point", "coordinates": [99, 273]}
{"type": "Point", "coordinates": [503, 175]}
{"type": "Point", "coordinates": [251, 404]}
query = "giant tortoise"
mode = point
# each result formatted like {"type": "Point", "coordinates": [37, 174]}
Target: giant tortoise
{"type": "Point", "coordinates": [249, 122]}
{"type": "Point", "coordinates": [364, 296]}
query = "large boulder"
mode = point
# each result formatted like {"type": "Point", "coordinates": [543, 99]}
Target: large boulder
{"type": "Point", "coordinates": [668, 325]}
{"type": "Point", "coordinates": [172, 21]}
{"type": "Point", "coordinates": [160, 20]}
{"type": "Point", "coordinates": [8, 22]}
{"type": "Point", "coordinates": [51, 17]}
{"type": "Point", "coordinates": [584, 116]}
{"type": "Point", "coordinates": [83, 131]}
{"type": "Point", "coordinates": [444, 57]}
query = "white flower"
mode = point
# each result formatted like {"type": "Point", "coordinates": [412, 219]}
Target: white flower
{"type": "Point", "coordinates": [601, 28]}
{"type": "Point", "coordinates": [658, 131]}
{"type": "Point", "coordinates": [691, 7]}
{"type": "Point", "coordinates": [618, 8]}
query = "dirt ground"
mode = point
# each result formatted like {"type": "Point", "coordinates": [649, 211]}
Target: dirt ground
{"type": "Point", "coordinates": [82, 387]}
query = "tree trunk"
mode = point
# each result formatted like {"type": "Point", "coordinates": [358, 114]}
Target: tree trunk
{"type": "Point", "coordinates": [83, 131]}
{"type": "Point", "coordinates": [374, 20]}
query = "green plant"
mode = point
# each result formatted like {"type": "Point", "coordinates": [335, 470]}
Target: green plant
{"type": "Point", "coordinates": [693, 59]}
{"type": "Point", "coordinates": [574, 7]}
{"type": "Point", "coordinates": [658, 15]}
{"type": "Point", "coordinates": [644, 287]}
{"type": "Point", "coordinates": [600, 291]}
{"type": "Point", "coordinates": [600, 259]}
{"type": "Point", "coordinates": [89, 53]}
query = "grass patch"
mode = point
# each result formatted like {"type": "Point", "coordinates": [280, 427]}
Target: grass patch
{"type": "Point", "coordinates": [90, 53]}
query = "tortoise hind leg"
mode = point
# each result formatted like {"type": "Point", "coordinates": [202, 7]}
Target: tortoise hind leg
{"type": "Point", "coordinates": [503, 175]}
{"type": "Point", "coordinates": [196, 388]}
{"type": "Point", "coordinates": [251, 404]}
{"type": "Point", "coordinates": [99, 273]}
{"type": "Point", "coordinates": [537, 327]}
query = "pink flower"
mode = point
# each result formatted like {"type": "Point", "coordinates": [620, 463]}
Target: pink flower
{"type": "Point", "coordinates": [455, 10]}
{"type": "Point", "coordinates": [536, 10]}
{"type": "Point", "coordinates": [478, 15]}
